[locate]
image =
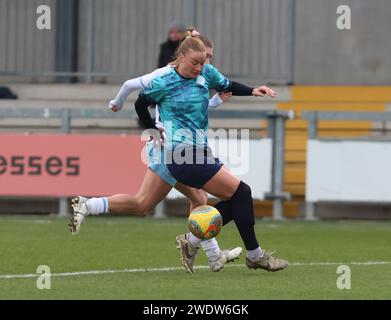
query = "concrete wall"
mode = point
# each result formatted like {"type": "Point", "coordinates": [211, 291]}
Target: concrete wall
{"type": "Point", "coordinates": [127, 33]}
{"type": "Point", "coordinates": [22, 46]}
{"type": "Point", "coordinates": [274, 41]}
{"type": "Point", "coordinates": [252, 37]}
{"type": "Point", "coordinates": [326, 55]}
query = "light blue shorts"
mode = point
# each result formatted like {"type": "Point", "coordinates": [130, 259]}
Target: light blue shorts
{"type": "Point", "coordinates": [156, 163]}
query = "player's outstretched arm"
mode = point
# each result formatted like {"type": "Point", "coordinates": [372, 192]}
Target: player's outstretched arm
{"type": "Point", "coordinates": [130, 85]}
{"type": "Point", "coordinates": [134, 84]}
{"type": "Point", "coordinates": [239, 89]}
{"type": "Point", "coordinates": [264, 91]}
{"type": "Point", "coordinates": [219, 82]}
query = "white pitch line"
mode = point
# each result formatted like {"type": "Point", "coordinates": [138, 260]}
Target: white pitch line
{"type": "Point", "coordinates": [364, 263]}
{"type": "Point", "coordinates": [165, 269]}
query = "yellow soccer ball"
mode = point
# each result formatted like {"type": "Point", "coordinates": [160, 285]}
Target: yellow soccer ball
{"type": "Point", "coordinates": [205, 222]}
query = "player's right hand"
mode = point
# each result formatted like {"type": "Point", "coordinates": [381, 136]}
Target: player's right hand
{"type": "Point", "coordinates": [114, 108]}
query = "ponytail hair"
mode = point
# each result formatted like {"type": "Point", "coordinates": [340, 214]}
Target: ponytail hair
{"type": "Point", "coordinates": [192, 32]}
{"type": "Point", "coordinates": [191, 41]}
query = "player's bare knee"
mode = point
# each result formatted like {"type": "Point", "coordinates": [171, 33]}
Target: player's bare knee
{"type": "Point", "coordinates": [200, 200]}
{"type": "Point", "coordinates": [194, 205]}
{"type": "Point", "coordinates": [204, 197]}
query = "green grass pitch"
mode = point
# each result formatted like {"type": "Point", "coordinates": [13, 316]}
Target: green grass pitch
{"type": "Point", "coordinates": [144, 261]}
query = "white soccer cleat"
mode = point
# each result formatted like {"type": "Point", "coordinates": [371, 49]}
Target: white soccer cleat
{"type": "Point", "coordinates": [80, 211]}
{"type": "Point", "coordinates": [187, 251]}
{"type": "Point", "coordinates": [226, 256]}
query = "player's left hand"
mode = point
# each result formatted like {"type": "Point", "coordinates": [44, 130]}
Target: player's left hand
{"type": "Point", "coordinates": [225, 96]}
{"type": "Point", "coordinates": [264, 90]}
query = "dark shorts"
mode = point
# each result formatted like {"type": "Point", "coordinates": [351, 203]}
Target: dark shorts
{"type": "Point", "coordinates": [196, 166]}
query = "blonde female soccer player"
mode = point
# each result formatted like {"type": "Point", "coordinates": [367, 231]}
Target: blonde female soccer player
{"type": "Point", "coordinates": [157, 182]}
{"type": "Point", "coordinates": [182, 97]}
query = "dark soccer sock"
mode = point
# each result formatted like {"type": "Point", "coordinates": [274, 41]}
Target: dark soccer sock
{"type": "Point", "coordinates": [225, 209]}
{"type": "Point", "coordinates": [243, 215]}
